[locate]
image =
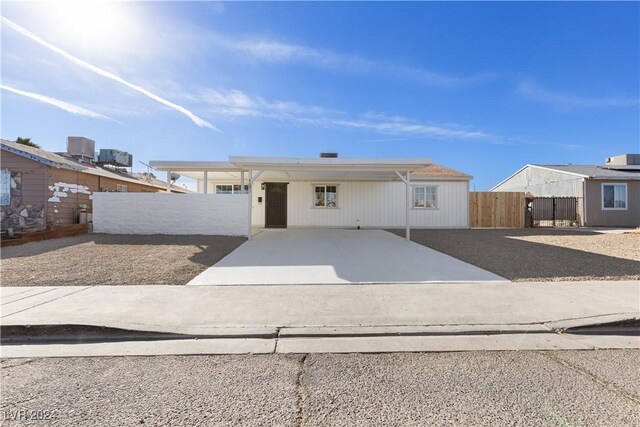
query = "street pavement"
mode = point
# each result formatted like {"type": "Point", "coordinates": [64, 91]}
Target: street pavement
{"type": "Point", "coordinates": [565, 388]}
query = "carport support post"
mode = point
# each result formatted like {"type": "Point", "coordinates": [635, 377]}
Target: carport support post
{"type": "Point", "coordinates": [408, 208]}
{"type": "Point", "coordinates": [206, 180]}
{"type": "Point", "coordinates": [249, 195]}
{"type": "Point", "coordinates": [252, 179]}
{"type": "Point", "coordinates": [168, 181]}
{"type": "Point", "coordinates": [407, 182]}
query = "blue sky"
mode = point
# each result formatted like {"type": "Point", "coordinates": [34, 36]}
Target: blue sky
{"type": "Point", "coordinates": [481, 87]}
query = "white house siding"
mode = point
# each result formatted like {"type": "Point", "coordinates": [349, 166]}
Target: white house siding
{"type": "Point", "coordinates": [163, 213]}
{"type": "Point", "coordinates": [374, 204]}
{"type": "Point", "coordinates": [543, 183]}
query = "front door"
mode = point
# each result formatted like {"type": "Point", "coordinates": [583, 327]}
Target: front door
{"type": "Point", "coordinates": [276, 205]}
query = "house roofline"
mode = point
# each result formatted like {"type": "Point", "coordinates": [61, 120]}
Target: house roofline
{"type": "Point", "coordinates": [551, 168]}
{"type": "Point", "coordinates": [539, 167]}
{"type": "Point", "coordinates": [37, 158]}
{"type": "Point", "coordinates": [509, 177]}
{"type": "Point", "coordinates": [80, 169]}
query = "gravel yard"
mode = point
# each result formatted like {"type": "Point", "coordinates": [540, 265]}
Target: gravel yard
{"type": "Point", "coordinates": [102, 259]}
{"type": "Point", "coordinates": [540, 254]}
{"type": "Point", "coordinates": [518, 255]}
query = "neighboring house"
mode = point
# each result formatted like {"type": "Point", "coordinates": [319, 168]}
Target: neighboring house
{"type": "Point", "coordinates": [608, 195]}
{"type": "Point", "coordinates": [336, 192]}
{"type": "Point", "coordinates": [42, 189]}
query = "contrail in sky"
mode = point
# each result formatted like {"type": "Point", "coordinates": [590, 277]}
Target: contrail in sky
{"type": "Point", "coordinates": [104, 73]}
{"type": "Point", "coordinates": [71, 108]}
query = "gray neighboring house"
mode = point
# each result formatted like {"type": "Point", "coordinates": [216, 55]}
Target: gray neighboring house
{"type": "Point", "coordinates": [608, 195]}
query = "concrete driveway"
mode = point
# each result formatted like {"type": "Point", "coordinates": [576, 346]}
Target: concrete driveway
{"type": "Point", "coordinates": [280, 257]}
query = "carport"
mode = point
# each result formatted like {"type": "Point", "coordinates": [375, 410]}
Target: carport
{"type": "Point", "coordinates": [331, 256]}
{"type": "Point", "coordinates": [247, 170]}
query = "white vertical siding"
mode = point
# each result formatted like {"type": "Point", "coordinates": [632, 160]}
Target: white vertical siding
{"type": "Point", "coordinates": [375, 204]}
{"type": "Point", "coordinates": [368, 204]}
{"type": "Point", "coordinates": [257, 215]}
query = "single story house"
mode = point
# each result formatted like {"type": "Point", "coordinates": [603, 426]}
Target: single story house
{"type": "Point", "coordinates": [336, 192]}
{"type": "Point", "coordinates": [40, 189]}
{"type": "Point", "coordinates": [608, 195]}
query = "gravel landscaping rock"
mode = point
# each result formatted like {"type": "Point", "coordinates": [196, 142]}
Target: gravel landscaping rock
{"type": "Point", "coordinates": [540, 254]}
{"type": "Point", "coordinates": [108, 259]}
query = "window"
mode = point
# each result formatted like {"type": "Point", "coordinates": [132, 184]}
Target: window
{"type": "Point", "coordinates": [224, 189]}
{"type": "Point", "coordinates": [614, 196]}
{"type": "Point", "coordinates": [231, 189]}
{"type": "Point", "coordinates": [325, 196]}
{"type": "Point", "coordinates": [5, 187]}
{"type": "Point", "coordinates": [121, 188]}
{"type": "Point", "coordinates": [425, 197]}
{"type": "Point", "coordinates": [236, 189]}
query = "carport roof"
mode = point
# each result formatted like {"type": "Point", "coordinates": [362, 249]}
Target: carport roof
{"type": "Point", "coordinates": [243, 163]}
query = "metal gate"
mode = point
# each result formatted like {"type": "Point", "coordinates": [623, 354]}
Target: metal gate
{"type": "Point", "coordinates": [545, 210]}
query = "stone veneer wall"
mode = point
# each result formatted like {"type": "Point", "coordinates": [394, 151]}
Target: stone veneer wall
{"type": "Point", "coordinates": [19, 216]}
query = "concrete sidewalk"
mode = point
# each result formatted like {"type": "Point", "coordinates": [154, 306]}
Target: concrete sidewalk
{"type": "Point", "coordinates": [327, 318]}
{"type": "Point", "coordinates": [185, 309]}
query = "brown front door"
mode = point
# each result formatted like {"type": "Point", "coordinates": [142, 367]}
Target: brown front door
{"type": "Point", "coordinates": [276, 205]}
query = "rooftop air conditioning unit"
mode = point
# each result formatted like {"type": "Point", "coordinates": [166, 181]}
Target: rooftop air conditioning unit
{"type": "Point", "coordinates": [81, 147]}
{"type": "Point", "coordinates": [110, 156]}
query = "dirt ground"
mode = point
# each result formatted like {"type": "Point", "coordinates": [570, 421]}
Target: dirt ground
{"type": "Point", "coordinates": [518, 255]}
{"type": "Point", "coordinates": [101, 259]}
{"type": "Point", "coordinates": [540, 254]}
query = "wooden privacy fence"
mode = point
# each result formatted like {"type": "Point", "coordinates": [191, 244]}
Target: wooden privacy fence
{"type": "Point", "coordinates": [496, 210]}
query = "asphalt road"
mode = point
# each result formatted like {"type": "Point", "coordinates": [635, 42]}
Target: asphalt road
{"type": "Point", "coordinates": [566, 388]}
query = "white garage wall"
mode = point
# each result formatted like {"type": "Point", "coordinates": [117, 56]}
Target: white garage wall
{"type": "Point", "coordinates": [374, 204]}
{"type": "Point", "coordinates": [164, 213]}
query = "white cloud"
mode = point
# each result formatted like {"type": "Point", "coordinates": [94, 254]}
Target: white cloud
{"type": "Point", "coordinates": [237, 103]}
{"type": "Point", "coordinates": [66, 106]}
{"type": "Point", "coordinates": [276, 51]}
{"type": "Point", "coordinates": [408, 128]}
{"type": "Point", "coordinates": [97, 70]}
{"type": "Point", "coordinates": [536, 92]}
{"type": "Point", "coordinates": [234, 103]}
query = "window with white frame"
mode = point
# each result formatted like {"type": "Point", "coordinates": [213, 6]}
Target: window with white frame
{"type": "Point", "coordinates": [231, 189]}
{"type": "Point", "coordinates": [425, 196]}
{"type": "Point", "coordinates": [121, 188]}
{"type": "Point", "coordinates": [614, 196]}
{"type": "Point", "coordinates": [325, 196]}
{"type": "Point", "coordinates": [236, 189]}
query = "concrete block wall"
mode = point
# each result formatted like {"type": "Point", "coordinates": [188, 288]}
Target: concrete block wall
{"type": "Point", "coordinates": [164, 213]}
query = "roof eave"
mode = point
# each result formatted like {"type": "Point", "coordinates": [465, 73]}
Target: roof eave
{"type": "Point", "coordinates": [37, 158]}
{"type": "Point", "coordinates": [194, 166]}
{"type": "Point", "coordinates": [329, 164]}
{"type": "Point", "coordinates": [441, 178]}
